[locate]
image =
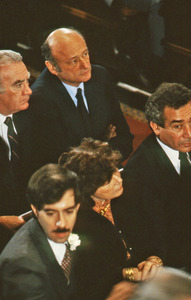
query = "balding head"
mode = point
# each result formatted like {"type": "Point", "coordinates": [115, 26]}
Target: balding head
{"type": "Point", "coordinates": [55, 39]}
{"type": "Point", "coordinates": [61, 35]}
{"type": "Point", "coordinates": [66, 56]}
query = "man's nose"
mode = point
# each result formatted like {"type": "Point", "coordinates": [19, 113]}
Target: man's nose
{"type": "Point", "coordinates": [27, 89]}
{"type": "Point", "coordinates": [187, 131]}
{"type": "Point", "coordinates": [84, 63]}
{"type": "Point", "coordinates": [61, 222]}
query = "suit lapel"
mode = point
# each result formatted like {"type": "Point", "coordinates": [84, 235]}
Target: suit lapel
{"type": "Point", "coordinates": [72, 118]}
{"type": "Point", "coordinates": [166, 167]}
{"type": "Point", "coordinates": [97, 106]}
{"type": "Point", "coordinates": [55, 272]}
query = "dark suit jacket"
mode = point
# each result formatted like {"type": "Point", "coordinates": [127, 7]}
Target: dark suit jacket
{"type": "Point", "coordinates": [101, 257]}
{"type": "Point", "coordinates": [57, 120]}
{"type": "Point", "coordinates": [153, 184]}
{"type": "Point", "coordinates": [29, 269]}
{"type": "Point", "coordinates": [13, 180]}
{"type": "Point", "coordinates": [102, 254]}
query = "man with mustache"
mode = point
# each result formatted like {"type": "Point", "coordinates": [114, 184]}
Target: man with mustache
{"type": "Point", "coordinates": [158, 176]}
{"type": "Point", "coordinates": [68, 86]}
{"type": "Point", "coordinates": [32, 265]}
{"type": "Point", "coordinates": [15, 145]}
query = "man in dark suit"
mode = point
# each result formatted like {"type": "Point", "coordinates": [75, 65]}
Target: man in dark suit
{"type": "Point", "coordinates": [14, 167]}
{"type": "Point", "coordinates": [156, 176]}
{"type": "Point", "coordinates": [55, 106]}
{"type": "Point", "coordinates": [36, 264]}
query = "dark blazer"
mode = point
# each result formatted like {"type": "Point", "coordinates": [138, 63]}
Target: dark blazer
{"type": "Point", "coordinates": [57, 120]}
{"type": "Point", "coordinates": [102, 255]}
{"type": "Point", "coordinates": [13, 180]}
{"type": "Point", "coordinates": [29, 269]}
{"type": "Point", "coordinates": [154, 185]}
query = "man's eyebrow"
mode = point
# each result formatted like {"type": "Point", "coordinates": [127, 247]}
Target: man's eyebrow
{"type": "Point", "coordinates": [176, 121]}
{"type": "Point", "coordinates": [52, 209]}
{"type": "Point", "coordinates": [21, 81]}
{"type": "Point", "coordinates": [79, 55]}
{"type": "Point", "coordinates": [49, 209]}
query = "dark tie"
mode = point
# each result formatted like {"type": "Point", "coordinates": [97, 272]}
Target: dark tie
{"type": "Point", "coordinates": [66, 264]}
{"type": "Point", "coordinates": [13, 140]}
{"type": "Point", "coordinates": [185, 167]}
{"type": "Point", "coordinates": [84, 113]}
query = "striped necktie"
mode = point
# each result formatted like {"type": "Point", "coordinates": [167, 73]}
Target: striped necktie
{"type": "Point", "coordinates": [66, 264]}
{"type": "Point", "coordinates": [13, 140]}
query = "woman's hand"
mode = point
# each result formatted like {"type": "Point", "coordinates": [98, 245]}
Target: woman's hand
{"type": "Point", "coordinates": [150, 267]}
{"type": "Point", "coordinates": [132, 274]}
{"type": "Point", "coordinates": [145, 270]}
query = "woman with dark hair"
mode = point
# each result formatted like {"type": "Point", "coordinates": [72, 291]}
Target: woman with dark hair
{"type": "Point", "coordinates": [107, 256]}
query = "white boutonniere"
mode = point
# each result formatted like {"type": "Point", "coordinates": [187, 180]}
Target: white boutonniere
{"type": "Point", "coordinates": [73, 241]}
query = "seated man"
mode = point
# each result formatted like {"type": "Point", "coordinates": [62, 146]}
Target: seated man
{"type": "Point", "coordinates": [36, 262]}
{"type": "Point", "coordinates": [158, 178]}
{"type": "Point", "coordinates": [16, 148]}
{"type": "Point", "coordinates": [72, 100]}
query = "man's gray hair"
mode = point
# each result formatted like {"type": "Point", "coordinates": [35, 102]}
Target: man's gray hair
{"type": "Point", "coordinates": [174, 95]}
{"type": "Point", "coordinates": [168, 284]}
{"type": "Point", "coordinates": [8, 57]}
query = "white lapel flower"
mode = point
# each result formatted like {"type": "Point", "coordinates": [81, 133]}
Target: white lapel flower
{"type": "Point", "coordinates": [73, 241]}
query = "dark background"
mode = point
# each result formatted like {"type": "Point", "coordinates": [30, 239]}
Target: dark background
{"type": "Point", "coordinates": [26, 23]}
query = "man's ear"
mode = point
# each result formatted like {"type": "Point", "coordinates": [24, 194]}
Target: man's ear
{"type": "Point", "coordinates": [51, 68]}
{"type": "Point", "coordinates": [34, 210]}
{"type": "Point", "coordinates": [155, 128]}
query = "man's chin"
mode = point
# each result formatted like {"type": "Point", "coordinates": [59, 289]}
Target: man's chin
{"type": "Point", "coordinates": [25, 106]}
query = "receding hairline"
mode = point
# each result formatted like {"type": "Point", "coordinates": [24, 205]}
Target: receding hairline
{"type": "Point", "coordinates": [64, 33]}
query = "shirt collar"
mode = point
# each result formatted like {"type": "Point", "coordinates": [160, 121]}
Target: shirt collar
{"type": "Point", "coordinates": [3, 118]}
{"type": "Point", "coordinates": [72, 90]}
{"type": "Point", "coordinates": [174, 154]}
{"type": "Point", "coordinates": [59, 250]}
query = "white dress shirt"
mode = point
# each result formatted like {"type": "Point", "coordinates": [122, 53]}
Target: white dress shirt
{"type": "Point", "coordinates": [59, 250]}
{"type": "Point", "coordinates": [72, 90]}
{"type": "Point", "coordinates": [173, 155]}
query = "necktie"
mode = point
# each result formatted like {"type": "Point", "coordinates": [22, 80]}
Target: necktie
{"type": "Point", "coordinates": [13, 140]}
{"type": "Point", "coordinates": [185, 167]}
{"type": "Point", "coordinates": [66, 264]}
{"type": "Point", "coordinates": [84, 113]}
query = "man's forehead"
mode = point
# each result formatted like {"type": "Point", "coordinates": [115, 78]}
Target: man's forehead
{"type": "Point", "coordinates": [14, 71]}
{"type": "Point", "coordinates": [68, 46]}
{"type": "Point", "coordinates": [177, 115]}
{"type": "Point", "coordinates": [66, 201]}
